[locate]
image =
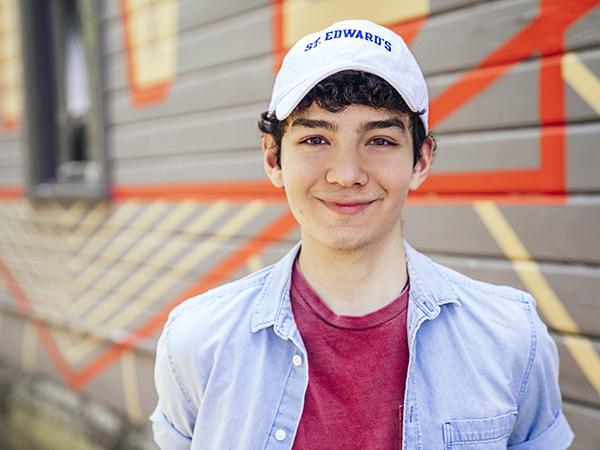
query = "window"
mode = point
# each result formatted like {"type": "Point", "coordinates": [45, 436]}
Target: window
{"type": "Point", "coordinates": [63, 93]}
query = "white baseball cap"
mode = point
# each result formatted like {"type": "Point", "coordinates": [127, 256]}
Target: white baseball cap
{"type": "Point", "coordinates": [349, 45]}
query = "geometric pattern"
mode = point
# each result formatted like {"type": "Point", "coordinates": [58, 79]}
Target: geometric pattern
{"type": "Point", "coordinates": [118, 269]}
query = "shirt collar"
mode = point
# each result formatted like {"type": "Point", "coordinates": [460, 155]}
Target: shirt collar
{"type": "Point", "coordinates": [274, 306]}
{"type": "Point", "coordinates": [428, 287]}
{"type": "Point", "coordinates": [428, 291]}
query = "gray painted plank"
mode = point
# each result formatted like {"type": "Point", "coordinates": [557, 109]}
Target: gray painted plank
{"type": "Point", "coordinates": [574, 384]}
{"type": "Point", "coordinates": [584, 31]}
{"type": "Point", "coordinates": [583, 158]}
{"type": "Point", "coordinates": [512, 100]}
{"type": "Point", "coordinates": [569, 231]}
{"type": "Point", "coordinates": [228, 129]}
{"type": "Point", "coordinates": [10, 176]}
{"type": "Point", "coordinates": [577, 287]}
{"type": "Point", "coordinates": [192, 15]}
{"type": "Point", "coordinates": [238, 84]}
{"type": "Point", "coordinates": [241, 166]}
{"type": "Point", "coordinates": [585, 423]}
{"type": "Point", "coordinates": [439, 47]}
{"type": "Point", "coordinates": [496, 150]}
{"type": "Point", "coordinates": [577, 109]}
{"type": "Point", "coordinates": [12, 157]}
{"type": "Point", "coordinates": [462, 38]}
{"type": "Point", "coordinates": [237, 38]}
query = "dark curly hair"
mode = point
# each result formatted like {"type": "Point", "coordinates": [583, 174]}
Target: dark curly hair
{"type": "Point", "coordinates": [345, 88]}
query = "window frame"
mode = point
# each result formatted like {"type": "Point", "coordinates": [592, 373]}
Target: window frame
{"type": "Point", "coordinates": [45, 111]}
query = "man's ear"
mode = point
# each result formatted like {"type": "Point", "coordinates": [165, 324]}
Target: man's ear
{"type": "Point", "coordinates": [272, 169]}
{"type": "Point", "coordinates": [423, 165]}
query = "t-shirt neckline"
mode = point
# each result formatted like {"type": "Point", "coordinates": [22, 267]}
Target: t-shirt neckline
{"type": "Point", "coordinates": [304, 291]}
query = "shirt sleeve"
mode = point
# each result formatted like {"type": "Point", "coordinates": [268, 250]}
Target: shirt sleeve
{"type": "Point", "coordinates": [174, 417]}
{"type": "Point", "coordinates": [540, 422]}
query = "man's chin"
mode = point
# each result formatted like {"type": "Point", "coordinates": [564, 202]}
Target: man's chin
{"type": "Point", "coordinates": [347, 244]}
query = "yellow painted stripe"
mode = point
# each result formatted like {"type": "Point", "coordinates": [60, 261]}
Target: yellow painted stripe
{"type": "Point", "coordinates": [581, 79]}
{"type": "Point", "coordinates": [93, 262]}
{"type": "Point", "coordinates": [581, 349]}
{"type": "Point", "coordinates": [552, 308]}
{"type": "Point", "coordinates": [301, 17]}
{"type": "Point", "coordinates": [139, 253]}
{"type": "Point", "coordinates": [534, 281]}
{"type": "Point", "coordinates": [175, 217]}
{"type": "Point", "coordinates": [527, 270]}
{"type": "Point", "coordinates": [29, 348]}
{"type": "Point", "coordinates": [28, 227]}
{"type": "Point", "coordinates": [74, 213]}
{"type": "Point", "coordinates": [131, 392]}
{"type": "Point", "coordinates": [205, 219]}
{"type": "Point", "coordinates": [254, 263]}
{"type": "Point", "coordinates": [93, 218]}
{"type": "Point", "coordinates": [106, 233]}
{"type": "Point", "coordinates": [163, 282]}
{"type": "Point", "coordinates": [36, 269]}
{"type": "Point", "coordinates": [27, 248]}
{"type": "Point", "coordinates": [37, 240]}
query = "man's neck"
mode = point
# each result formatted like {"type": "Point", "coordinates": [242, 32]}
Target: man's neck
{"type": "Point", "coordinates": [355, 283]}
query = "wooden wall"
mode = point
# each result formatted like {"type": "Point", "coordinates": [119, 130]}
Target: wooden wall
{"type": "Point", "coordinates": [514, 84]}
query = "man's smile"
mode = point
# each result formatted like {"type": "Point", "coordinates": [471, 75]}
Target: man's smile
{"type": "Point", "coordinates": [347, 206]}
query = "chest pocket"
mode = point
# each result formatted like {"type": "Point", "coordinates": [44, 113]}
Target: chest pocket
{"type": "Point", "coordinates": [478, 434]}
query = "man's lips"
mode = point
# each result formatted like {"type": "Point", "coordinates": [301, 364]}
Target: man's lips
{"type": "Point", "coordinates": [347, 206]}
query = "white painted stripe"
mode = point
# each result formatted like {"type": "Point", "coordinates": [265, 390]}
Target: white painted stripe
{"type": "Point", "coordinates": [131, 392]}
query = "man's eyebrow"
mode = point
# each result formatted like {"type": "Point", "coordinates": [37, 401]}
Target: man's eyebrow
{"type": "Point", "coordinates": [313, 123]}
{"type": "Point", "coordinates": [378, 124]}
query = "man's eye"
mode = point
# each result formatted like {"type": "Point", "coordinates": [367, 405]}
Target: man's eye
{"type": "Point", "coordinates": [381, 141]}
{"type": "Point", "coordinates": [314, 140]}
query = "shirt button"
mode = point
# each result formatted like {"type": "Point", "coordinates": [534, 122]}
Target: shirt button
{"type": "Point", "coordinates": [280, 435]}
{"type": "Point", "coordinates": [297, 360]}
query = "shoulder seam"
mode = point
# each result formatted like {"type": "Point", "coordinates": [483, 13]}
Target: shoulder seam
{"type": "Point", "coordinates": [532, 353]}
{"type": "Point", "coordinates": [173, 370]}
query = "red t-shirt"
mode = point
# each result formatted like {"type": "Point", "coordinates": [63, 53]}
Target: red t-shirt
{"type": "Point", "coordinates": [357, 370]}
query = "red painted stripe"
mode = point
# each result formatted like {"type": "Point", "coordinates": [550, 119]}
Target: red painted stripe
{"type": "Point", "coordinates": [468, 200]}
{"type": "Point", "coordinates": [409, 29]}
{"type": "Point", "coordinates": [24, 307]}
{"type": "Point", "coordinates": [11, 192]}
{"type": "Point", "coordinates": [235, 191]}
{"type": "Point", "coordinates": [14, 288]}
{"type": "Point", "coordinates": [140, 95]}
{"type": "Point", "coordinates": [553, 20]}
{"type": "Point", "coordinates": [218, 274]}
{"type": "Point", "coordinates": [277, 34]}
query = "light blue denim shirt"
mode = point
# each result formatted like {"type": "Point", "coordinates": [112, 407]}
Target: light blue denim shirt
{"type": "Point", "coordinates": [231, 369]}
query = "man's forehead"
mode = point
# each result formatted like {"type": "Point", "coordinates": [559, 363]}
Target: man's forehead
{"type": "Point", "coordinates": [357, 113]}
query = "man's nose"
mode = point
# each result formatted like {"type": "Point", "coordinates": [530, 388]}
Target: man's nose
{"type": "Point", "coordinates": [346, 169]}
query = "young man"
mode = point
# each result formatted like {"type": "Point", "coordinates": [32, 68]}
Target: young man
{"type": "Point", "coordinates": [354, 340]}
